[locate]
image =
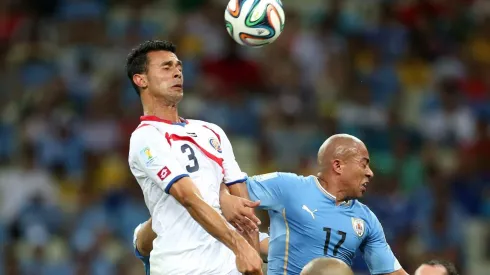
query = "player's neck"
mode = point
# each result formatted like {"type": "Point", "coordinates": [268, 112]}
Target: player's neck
{"type": "Point", "coordinates": [333, 189]}
{"type": "Point", "coordinates": [162, 110]}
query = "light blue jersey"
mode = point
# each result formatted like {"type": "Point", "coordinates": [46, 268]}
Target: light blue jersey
{"type": "Point", "coordinates": [306, 224]}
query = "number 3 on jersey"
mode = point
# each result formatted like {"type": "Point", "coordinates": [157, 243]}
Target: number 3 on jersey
{"type": "Point", "coordinates": [187, 149]}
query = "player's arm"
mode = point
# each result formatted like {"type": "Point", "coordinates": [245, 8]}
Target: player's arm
{"type": "Point", "coordinates": [270, 189]}
{"type": "Point", "coordinates": [141, 238]}
{"type": "Point", "coordinates": [238, 209]}
{"type": "Point", "coordinates": [377, 253]}
{"type": "Point", "coordinates": [264, 245]}
{"type": "Point", "coordinates": [144, 238]}
{"type": "Point", "coordinates": [240, 214]}
{"type": "Point", "coordinates": [185, 192]}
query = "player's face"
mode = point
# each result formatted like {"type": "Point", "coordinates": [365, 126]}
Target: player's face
{"type": "Point", "coordinates": [165, 78]}
{"type": "Point", "coordinates": [357, 173]}
{"type": "Point", "coordinates": [431, 270]}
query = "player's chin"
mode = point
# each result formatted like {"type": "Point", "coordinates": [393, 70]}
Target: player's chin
{"type": "Point", "coordinates": [175, 96]}
{"type": "Point", "coordinates": [362, 191]}
{"type": "Point", "coordinates": [176, 92]}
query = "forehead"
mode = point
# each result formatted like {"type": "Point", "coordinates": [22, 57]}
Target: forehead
{"type": "Point", "coordinates": [431, 270]}
{"type": "Point", "coordinates": [362, 151]}
{"type": "Point", "coordinates": [161, 56]}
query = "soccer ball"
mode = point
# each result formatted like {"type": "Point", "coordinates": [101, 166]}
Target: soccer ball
{"type": "Point", "coordinates": [254, 23]}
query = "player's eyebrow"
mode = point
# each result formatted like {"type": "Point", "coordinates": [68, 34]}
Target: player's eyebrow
{"type": "Point", "coordinates": [171, 62]}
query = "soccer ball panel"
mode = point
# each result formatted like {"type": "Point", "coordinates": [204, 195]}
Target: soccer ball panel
{"type": "Point", "coordinates": [254, 23]}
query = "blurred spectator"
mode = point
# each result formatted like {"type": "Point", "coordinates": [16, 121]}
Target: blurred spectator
{"type": "Point", "coordinates": [449, 121]}
{"type": "Point", "coordinates": [21, 183]}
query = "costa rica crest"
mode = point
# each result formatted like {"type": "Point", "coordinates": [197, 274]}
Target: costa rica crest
{"type": "Point", "coordinates": [216, 144]}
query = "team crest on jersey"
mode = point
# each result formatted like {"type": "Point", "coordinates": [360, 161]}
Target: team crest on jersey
{"type": "Point", "coordinates": [215, 143]}
{"type": "Point", "coordinates": [358, 225]}
{"type": "Point", "coordinates": [147, 156]}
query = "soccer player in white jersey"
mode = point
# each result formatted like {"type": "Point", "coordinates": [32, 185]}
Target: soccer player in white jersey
{"type": "Point", "coordinates": [180, 165]}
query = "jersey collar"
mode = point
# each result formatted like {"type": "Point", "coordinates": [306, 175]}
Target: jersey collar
{"type": "Point", "coordinates": [330, 196]}
{"type": "Point", "coordinates": [157, 119]}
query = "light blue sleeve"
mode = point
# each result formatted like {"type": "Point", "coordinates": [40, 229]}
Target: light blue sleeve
{"type": "Point", "coordinates": [271, 189]}
{"type": "Point", "coordinates": [376, 251]}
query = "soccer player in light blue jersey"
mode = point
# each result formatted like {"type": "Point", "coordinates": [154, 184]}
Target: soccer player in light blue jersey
{"type": "Point", "coordinates": [320, 216]}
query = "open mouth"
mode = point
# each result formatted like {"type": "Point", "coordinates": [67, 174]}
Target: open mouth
{"type": "Point", "coordinates": [364, 185]}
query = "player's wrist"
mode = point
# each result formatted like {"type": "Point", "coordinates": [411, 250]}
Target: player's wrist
{"type": "Point", "coordinates": [224, 197]}
{"type": "Point", "coordinates": [239, 243]}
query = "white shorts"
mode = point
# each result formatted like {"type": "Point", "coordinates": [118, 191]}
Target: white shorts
{"type": "Point", "coordinates": [234, 272]}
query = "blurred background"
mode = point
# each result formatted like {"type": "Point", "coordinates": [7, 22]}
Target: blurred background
{"type": "Point", "coordinates": [409, 77]}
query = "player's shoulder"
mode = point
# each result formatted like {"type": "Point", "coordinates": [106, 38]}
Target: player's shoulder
{"type": "Point", "coordinates": [214, 127]}
{"type": "Point", "coordinates": [144, 131]}
{"type": "Point", "coordinates": [146, 134]}
{"type": "Point", "coordinates": [202, 123]}
{"type": "Point", "coordinates": [281, 176]}
{"type": "Point", "coordinates": [363, 211]}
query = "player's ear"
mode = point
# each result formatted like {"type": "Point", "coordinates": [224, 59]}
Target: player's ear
{"type": "Point", "coordinates": [140, 80]}
{"type": "Point", "coordinates": [337, 166]}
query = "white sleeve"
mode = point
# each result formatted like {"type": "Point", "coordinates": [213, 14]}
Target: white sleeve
{"type": "Point", "coordinates": [150, 153]}
{"type": "Point", "coordinates": [233, 173]}
{"type": "Point", "coordinates": [263, 236]}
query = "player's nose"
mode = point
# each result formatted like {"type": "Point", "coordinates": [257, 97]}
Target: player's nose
{"type": "Point", "coordinates": [369, 173]}
{"type": "Point", "coordinates": [177, 74]}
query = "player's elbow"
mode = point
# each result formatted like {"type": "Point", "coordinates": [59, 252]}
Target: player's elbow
{"type": "Point", "coordinates": [145, 237]}
{"type": "Point", "coordinates": [144, 247]}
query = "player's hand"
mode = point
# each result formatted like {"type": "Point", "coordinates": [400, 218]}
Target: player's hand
{"type": "Point", "coordinates": [248, 260]}
{"type": "Point", "coordinates": [240, 212]}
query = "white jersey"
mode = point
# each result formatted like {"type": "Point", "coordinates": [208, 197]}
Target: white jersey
{"type": "Point", "coordinates": [160, 154]}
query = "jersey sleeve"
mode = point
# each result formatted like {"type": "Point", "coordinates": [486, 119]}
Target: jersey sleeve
{"type": "Point", "coordinates": [233, 173]}
{"type": "Point", "coordinates": [263, 236]}
{"type": "Point", "coordinates": [150, 154]}
{"type": "Point", "coordinates": [376, 251]}
{"type": "Point", "coordinates": [271, 189]}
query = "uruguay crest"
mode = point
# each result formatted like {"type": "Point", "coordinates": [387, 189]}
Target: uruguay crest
{"type": "Point", "coordinates": [215, 143]}
{"type": "Point", "coordinates": [358, 226]}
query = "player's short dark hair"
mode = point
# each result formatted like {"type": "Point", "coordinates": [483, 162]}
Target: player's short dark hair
{"type": "Point", "coordinates": [137, 61]}
{"type": "Point", "coordinates": [450, 267]}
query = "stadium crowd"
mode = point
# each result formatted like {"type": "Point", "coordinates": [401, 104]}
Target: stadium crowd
{"type": "Point", "coordinates": [410, 78]}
